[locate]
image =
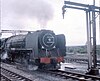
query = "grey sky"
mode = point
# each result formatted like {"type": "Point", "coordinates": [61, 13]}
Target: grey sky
{"type": "Point", "coordinates": [47, 14]}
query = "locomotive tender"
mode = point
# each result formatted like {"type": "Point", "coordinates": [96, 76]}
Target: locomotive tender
{"type": "Point", "coordinates": [41, 48]}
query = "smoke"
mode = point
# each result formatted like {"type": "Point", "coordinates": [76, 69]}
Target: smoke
{"type": "Point", "coordinates": [39, 10]}
{"type": "Point", "coordinates": [4, 55]}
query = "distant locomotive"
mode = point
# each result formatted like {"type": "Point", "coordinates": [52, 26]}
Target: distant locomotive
{"type": "Point", "coordinates": [41, 48]}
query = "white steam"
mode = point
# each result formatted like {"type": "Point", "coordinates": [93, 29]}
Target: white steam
{"type": "Point", "coordinates": [14, 10]}
{"type": "Point", "coordinates": [4, 55]}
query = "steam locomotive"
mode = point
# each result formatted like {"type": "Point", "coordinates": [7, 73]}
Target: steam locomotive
{"type": "Point", "coordinates": [42, 48]}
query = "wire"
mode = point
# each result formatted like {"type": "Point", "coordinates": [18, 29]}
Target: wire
{"type": "Point", "coordinates": [97, 15]}
{"type": "Point", "coordinates": [99, 22]}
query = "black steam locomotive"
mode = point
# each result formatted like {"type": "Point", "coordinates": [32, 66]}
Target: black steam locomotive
{"type": "Point", "coordinates": [41, 48]}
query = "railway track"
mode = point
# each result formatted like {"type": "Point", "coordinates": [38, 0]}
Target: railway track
{"type": "Point", "coordinates": [4, 78]}
{"type": "Point", "coordinates": [73, 76]}
{"type": "Point", "coordinates": [81, 61]}
{"type": "Point", "coordinates": [7, 75]}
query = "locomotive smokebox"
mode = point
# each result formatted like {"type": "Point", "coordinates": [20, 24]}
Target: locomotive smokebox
{"type": "Point", "coordinates": [39, 41]}
{"type": "Point", "coordinates": [47, 40]}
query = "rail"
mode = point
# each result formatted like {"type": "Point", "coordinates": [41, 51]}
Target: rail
{"type": "Point", "coordinates": [73, 75]}
{"type": "Point", "coordinates": [10, 76]}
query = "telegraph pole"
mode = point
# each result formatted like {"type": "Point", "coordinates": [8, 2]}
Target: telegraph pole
{"type": "Point", "coordinates": [91, 25]}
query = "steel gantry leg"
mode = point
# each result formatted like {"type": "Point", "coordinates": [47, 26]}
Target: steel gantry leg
{"type": "Point", "coordinates": [91, 44]}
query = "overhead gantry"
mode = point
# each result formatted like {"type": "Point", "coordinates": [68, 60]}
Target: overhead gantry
{"type": "Point", "coordinates": [90, 11]}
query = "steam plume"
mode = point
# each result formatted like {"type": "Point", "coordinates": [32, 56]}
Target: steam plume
{"type": "Point", "coordinates": [40, 10]}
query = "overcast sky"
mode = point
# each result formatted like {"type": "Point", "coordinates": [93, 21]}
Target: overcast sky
{"type": "Point", "coordinates": [47, 14]}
